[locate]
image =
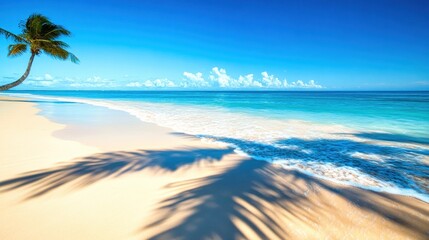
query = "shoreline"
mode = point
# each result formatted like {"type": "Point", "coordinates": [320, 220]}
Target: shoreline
{"type": "Point", "coordinates": [134, 113]}
{"type": "Point", "coordinates": [204, 172]}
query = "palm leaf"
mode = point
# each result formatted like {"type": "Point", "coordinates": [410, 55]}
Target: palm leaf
{"type": "Point", "coordinates": [7, 34]}
{"type": "Point", "coordinates": [32, 27]}
{"type": "Point", "coordinates": [52, 31]}
{"type": "Point", "coordinates": [17, 49]}
{"type": "Point", "coordinates": [73, 58]}
{"type": "Point", "coordinates": [60, 53]}
{"type": "Point", "coordinates": [51, 43]}
{"type": "Point", "coordinates": [56, 52]}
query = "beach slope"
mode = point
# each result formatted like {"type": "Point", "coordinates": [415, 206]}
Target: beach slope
{"type": "Point", "coordinates": [124, 179]}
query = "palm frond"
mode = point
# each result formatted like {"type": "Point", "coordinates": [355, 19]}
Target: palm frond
{"type": "Point", "coordinates": [32, 27]}
{"type": "Point", "coordinates": [73, 58]}
{"type": "Point", "coordinates": [60, 44]}
{"type": "Point", "coordinates": [51, 43]}
{"type": "Point", "coordinates": [17, 49]}
{"type": "Point", "coordinates": [52, 31]}
{"type": "Point", "coordinates": [56, 52]}
{"type": "Point", "coordinates": [60, 53]}
{"type": "Point", "coordinates": [7, 34]}
{"type": "Point", "coordinates": [35, 21]}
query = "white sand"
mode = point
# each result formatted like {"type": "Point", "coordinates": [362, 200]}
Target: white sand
{"type": "Point", "coordinates": [123, 179]}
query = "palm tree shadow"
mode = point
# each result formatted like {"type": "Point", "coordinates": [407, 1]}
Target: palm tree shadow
{"type": "Point", "coordinates": [254, 196]}
{"type": "Point", "coordinates": [222, 204]}
{"type": "Point", "coordinates": [250, 197]}
{"type": "Point", "coordinates": [258, 198]}
{"type": "Point", "coordinates": [88, 170]}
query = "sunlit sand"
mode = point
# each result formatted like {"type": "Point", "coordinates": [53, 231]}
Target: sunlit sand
{"type": "Point", "coordinates": [150, 183]}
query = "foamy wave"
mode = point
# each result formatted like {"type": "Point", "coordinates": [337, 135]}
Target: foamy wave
{"type": "Point", "coordinates": [328, 151]}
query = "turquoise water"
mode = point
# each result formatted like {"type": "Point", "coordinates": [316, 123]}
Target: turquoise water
{"type": "Point", "coordinates": [377, 140]}
{"type": "Point", "coordinates": [396, 112]}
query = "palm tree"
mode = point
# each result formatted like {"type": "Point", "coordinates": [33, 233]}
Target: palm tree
{"type": "Point", "coordinates": [41, 36]}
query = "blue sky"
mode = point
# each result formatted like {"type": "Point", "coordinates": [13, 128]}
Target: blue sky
{"type": "Point", "coordinates": [314, 44]}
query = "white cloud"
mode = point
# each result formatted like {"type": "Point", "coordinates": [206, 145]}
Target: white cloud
{"type": "Point", "coordinates": [48, 77]}
{"type": "Point", "coordinates": [193, 80]}
{"type": "Point", "coordinates": [94, 79]}
{"type": "Point", "coordinates": [298, 83]}
{"type": "Point", "coordinates": [301, 84]}
{"type": "Point", "coordinates": [163, 83]}
{"type": "Point", "coordinates": [91, 82]}
{"type": "Point", "coordinates": [221, 79]}
{"type": "Point", "coordinates": [247, 81]}
{"type": "Point", "coordinates": [313, 84]}
{"type": "Point", "coordinates": [160, 83]}
{"type": "Point", "coordinates": [194, 76]}
{"type": "Point", "coordinates": [219, 76]}
{"type": "Point", "coordinates": [270, 80]}
{"type": "Point", "coordinates": [41, 81]}
{"type": "Point", "coordinates": [134, 84]}
{"type": "Point", "coordinates": [148, 83]}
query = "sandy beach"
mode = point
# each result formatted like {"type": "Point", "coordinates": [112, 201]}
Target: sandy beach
{"type": "Point", "coordinates": [120, 178]}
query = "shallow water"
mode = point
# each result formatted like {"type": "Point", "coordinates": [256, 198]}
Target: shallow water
{"type": "Point", "coordinates": [377, 140]}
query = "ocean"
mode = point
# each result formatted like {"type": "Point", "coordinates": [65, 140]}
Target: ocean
{"type": "Point", "coordinates": [374, 140]}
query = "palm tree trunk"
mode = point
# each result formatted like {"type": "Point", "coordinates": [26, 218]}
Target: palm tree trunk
{"type": "Point", "coordinates": [22, 78]}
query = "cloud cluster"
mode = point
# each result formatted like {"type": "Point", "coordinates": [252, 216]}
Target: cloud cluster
{"type": "Point", "coordinates": [217, 78]}
{"type": "Point", "coordinates": [41, 81]}
{"type": "Point", "coordinates": [48, 80]}
{"type": "Point", "coordinates": [193, 80]}
{"type": "Point", "coordinates": [156, 83]}
{"type": "Point", "coordinates": [92, 82]}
